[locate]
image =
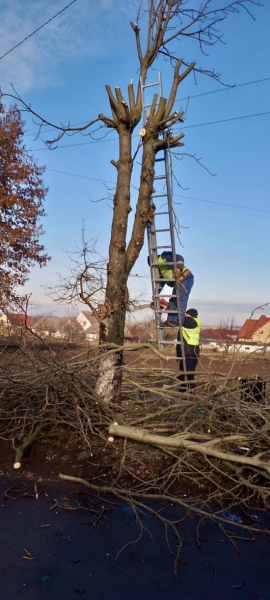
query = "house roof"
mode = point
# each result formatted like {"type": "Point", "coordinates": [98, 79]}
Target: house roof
{"type": "Point", "coordinates": [77, 324]}
{"type": "Point", "coordinates": [247, 329]}
{"type": "Point", "coordinates": [52, 324]}
{"type": "Point", "coordinates": [89, 316]}
{"type": "Point", "coordinates": [262, 321]}
{"type": "Point", "coordinates": [219, 334]}
{"type": "Point", "coordinates": [93, 328]}
{"type": "Point", "coordinates": [251, 325]}
{"type": "Point", "coordinates": [71, 323]}
{"type": "Point", "coordinates": [20, 319]}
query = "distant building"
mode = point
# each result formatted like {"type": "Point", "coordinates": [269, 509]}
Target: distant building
{"type": "Point", "coordinates": [70, 330]}
{"type": "Point", "coordinates": [262, 333]}
{"type": "Point", "coordinates": [235, 348]}
{"type": "Point", "coordinates": [219, 334]}
{"type": "Point", "coordinates": [89, 324]}
{"type": "Point", "coordinates": [92, 332]}
{"type": "Point", "coordinates": [86, 318]}
{"type": "Point", "coordinates": [10, 322]}
{"type": "Point", "coordinates": [49, 326]}
{"type": "Point", "coordinates": [255, 330]}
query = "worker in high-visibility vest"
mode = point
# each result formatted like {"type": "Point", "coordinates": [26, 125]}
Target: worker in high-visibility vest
{"type": "Point", "coordinates": [184, 279]}
{"type": "Point", "coordinates": [191, 329]}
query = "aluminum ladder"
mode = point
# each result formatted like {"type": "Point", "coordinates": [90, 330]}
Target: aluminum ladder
{"type": "Point", "coordinates": [154, 247]}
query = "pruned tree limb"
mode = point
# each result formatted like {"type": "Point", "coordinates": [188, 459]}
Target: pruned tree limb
{"type": "Point", "coordinates": [28, 441]}
{"type": "Point", "coordinates": [143, 436]}
{"type": "Point", "coordinates": [138, 40]}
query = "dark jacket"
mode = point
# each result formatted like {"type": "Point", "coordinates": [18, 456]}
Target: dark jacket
{"type": "Point", "coordinates": [190, 350]}
{"type": "Point", "coordinates": [168, 256]}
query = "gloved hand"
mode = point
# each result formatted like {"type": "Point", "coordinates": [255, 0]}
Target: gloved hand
{"type": "Point", "coordinates": [163, 303]}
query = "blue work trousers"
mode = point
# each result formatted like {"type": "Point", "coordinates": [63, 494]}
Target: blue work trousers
{"type": "Point", "coordinates": [184, 291]}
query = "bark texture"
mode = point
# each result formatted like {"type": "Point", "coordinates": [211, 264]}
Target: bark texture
{"type": "Point", "coordinates": [155, 137]}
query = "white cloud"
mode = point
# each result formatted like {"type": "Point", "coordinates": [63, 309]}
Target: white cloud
{"type": "Point", "coordinates": [84, 30]}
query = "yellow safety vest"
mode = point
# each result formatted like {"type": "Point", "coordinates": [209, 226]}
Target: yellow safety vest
{"type": "Point", "coordinates": [166, 271]}
{"type": "Point", "coordinates": [192, 336]}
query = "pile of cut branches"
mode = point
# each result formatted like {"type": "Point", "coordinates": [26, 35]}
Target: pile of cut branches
{"type": "Point", "coordinates": [206, 450]}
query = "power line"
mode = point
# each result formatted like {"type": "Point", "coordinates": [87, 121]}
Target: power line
{"type": "Point", "coordinates": [185, 127]}
{"type": "Point", "coordinates": [38, 29]}
{"type": "Point", "coordinates": [225, 89]}
{"type": "Point", "coordinates": [223, 203]}
{"type": "Point", "coordinates": [82, 176]}
{"type": "Point", "coordinates": [177, 195]}
{"type": "Point", "coordinates": [53, 129]}
{"type": "Point", "coordinates": [226, 120]}
{"type": "Point", "coordinates": [79, 144]}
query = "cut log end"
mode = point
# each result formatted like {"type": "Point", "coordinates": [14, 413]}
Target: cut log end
{"type": "Point", "coordinates": [17, 465]}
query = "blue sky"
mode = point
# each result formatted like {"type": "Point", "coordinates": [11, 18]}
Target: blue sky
{"type": "Point", "coordinates": [62, 71]}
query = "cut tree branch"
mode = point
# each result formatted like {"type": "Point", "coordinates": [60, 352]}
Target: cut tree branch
{"type": "Point", "coordinates": [142, 435]}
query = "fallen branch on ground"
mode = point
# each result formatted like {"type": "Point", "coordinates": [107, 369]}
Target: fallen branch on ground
{"type": "Point", "coordinates": [208, 449]}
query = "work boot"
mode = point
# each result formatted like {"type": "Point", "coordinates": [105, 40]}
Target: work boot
{"type": "Point", "coordinates": [169, 323]}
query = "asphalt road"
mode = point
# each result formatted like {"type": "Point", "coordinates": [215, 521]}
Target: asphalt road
{"type": "Point", "coordinates": [58, 554]}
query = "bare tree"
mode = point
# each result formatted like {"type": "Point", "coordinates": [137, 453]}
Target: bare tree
{"type": "Point", "coordinates": [86, 279]}
{"type": "Point", "coordinates": [169, 23]}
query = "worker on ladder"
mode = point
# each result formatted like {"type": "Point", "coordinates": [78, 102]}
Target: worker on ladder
{"type": "Point", "coordinates": [185, 281]}
{"type": "Point", "coordinates": [191, 329]}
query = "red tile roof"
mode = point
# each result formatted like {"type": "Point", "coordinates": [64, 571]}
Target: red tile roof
{"type": "Point", "coordinates": [262, 321]}
{"type": "Point", "coordinates": [90, 317]}
{"type": "Point", "coordinates": [71, 323]}
{"type": "Point", "coordinates": [247, 330]}
{"type": "Point", "coordinates": [77, 324]}
{"type": "Point", "coordinates": [251, 326]}
{"type": "Point", "coordinates": [219, 334]}
{"type": "Point", "coordinates": [20, 319]}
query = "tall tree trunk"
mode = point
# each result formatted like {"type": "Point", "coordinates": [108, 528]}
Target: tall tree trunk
{"type": "Point", "coordinates": [113, 312]}
{"type": "Point", "coordinates": [108, 386]}
{"type": "Point", "coordinates": [121, 261]}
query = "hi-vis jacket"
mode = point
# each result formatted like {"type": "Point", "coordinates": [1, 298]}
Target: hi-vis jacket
{"type": "Point", "coordinates": [166, 271]}
{"type": "Point", "coordinates": [192, 336]}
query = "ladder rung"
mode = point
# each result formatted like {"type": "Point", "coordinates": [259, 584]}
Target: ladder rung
{"type": "Point", "coordinates": [159, 159]}
{"type": "Point", "coordinates": [160, 231]}
{"type": "Point", "coordinates": [164, 279]}
{"type": "Point", "coordinates": [165, 312]}
{"type": "Point", "coordinates": [159, 196]}
{"type": "Point", "coordinates": [168, 326]}
{"type": "Point", "coordinates": [150, 104]}
{"type": "Point", "coordinates": [162, 213]}
{"type": "Point", "coordinates": [158, 264]}
{"type": "Point", "coordinates": [150, 84]}
{"type": "Point", "coordinates": [157, 247]}
{"type": "Point", "coordinates": [160, 177]}
{"type": "Point", "coordinates": [166, 296]}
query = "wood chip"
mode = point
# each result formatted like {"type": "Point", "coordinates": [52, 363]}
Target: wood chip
{"type": "Point", "coordinates": [237, 586]}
